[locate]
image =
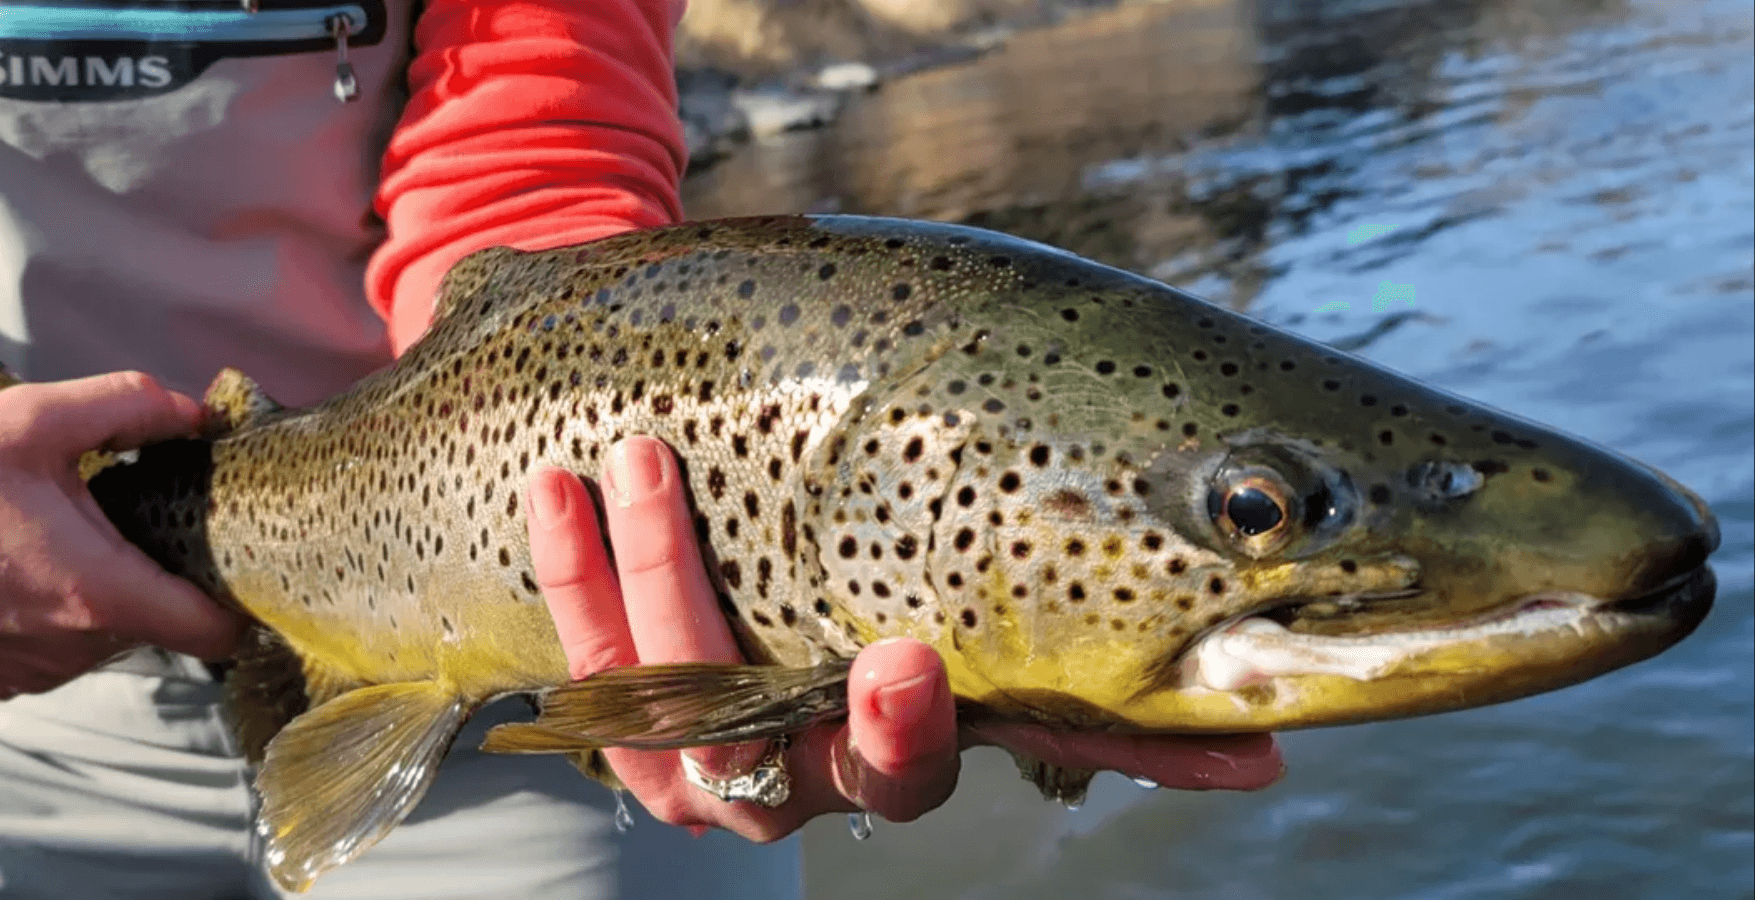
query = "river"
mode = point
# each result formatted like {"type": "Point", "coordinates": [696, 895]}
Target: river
{"type": "Point", "coordinates": [1547, 206]}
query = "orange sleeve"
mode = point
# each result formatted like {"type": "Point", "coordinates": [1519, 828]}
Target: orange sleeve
{"type": "Point", "coordinates": [530, 124]}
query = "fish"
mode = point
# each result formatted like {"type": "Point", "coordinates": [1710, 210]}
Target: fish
{"type": "Point", "coordinates": [1107, 504]}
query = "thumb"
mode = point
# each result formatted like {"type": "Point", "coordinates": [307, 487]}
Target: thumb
{"type": "Point", "coordinates": [900, 760]}
{"type": "Point", "coordinates": [59, 420]}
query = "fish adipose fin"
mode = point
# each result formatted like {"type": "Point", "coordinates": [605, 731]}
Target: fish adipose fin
{"type": "Point", "coordinates": [339, 777]}
{"type": "Point", "coordinates": [671, 706]}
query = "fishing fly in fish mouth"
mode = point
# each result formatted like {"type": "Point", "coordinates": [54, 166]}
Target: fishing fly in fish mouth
{"type": "Point", "coordinates": [1108, 505]}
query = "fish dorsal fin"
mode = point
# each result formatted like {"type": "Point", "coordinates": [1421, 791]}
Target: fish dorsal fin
{"type": "Point", "coordinates": [469, 278]}
{"type": "Point", "coordinates": [270, 685]}
{"type": "Point", "coordinates": [233, 401]}
{"type": "Point", "coordinates": [682, 705]}
{"type": "Point", "coordinates": [336, 779]}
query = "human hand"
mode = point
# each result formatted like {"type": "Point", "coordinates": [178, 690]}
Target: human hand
{"type": "Point", "coordinates": [895, 756]}
{"type": "Point", "coordinates": [73, 593]}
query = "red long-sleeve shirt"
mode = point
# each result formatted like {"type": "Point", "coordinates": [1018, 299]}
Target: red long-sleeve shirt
{"type": "Point", "coordinates": [531, 124]}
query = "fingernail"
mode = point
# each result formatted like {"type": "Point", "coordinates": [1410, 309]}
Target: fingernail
{"type": "Point", "coordinates": [548, 501]}
{"type": "Point", "coordinates": [636, 471]}
{"type": "Point", "coordinates": [906, 704]}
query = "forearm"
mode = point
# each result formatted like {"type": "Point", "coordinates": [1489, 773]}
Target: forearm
{"type": "Point", "coordinates": [532, 125]}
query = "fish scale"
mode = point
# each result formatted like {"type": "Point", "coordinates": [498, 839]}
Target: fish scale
{"type": "Point", "coordinates": [1107, 504]}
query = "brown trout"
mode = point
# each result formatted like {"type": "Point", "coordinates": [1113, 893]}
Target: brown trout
{"type": "Point", "coordinates": [1108, 505]}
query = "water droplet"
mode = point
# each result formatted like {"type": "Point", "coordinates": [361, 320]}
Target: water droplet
{"type": "Point", "coordinates": [1072, 803]}
{"type": "Point", "coordinates": [624, 819]}
{"type": "Point", "coordinates": [860, 824]}
{"type": "Point", "coordinates": [1145, 782]}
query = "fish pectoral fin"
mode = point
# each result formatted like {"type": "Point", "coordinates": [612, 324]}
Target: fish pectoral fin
{"type": "Point", "coordinates": [671, 706]}
{"type": "Point", "coordinates": [234, 400]}
{"type": "Point", "coordinates": [339, 777]}
{"type": "Point", "coordinates": [1066, 785]}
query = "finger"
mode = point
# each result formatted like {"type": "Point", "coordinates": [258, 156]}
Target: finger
{"type": "Point", "coordinates": [898, 752]}
{"type": "Point", "coordinates": [575, 574]}
{"type": "Point", "coordinates": [674, 616]}
{"type": "Point", "coordinates": [158, 608]}
{"type": "Point", "coordinates": [33, 664]}
{"type": "Point", "coordinates": [584, 598]}
{"type": "Point", "coordinates": [896, 756]}
{"type": "Point", "coordinates": [121, 410]}
{"type": "Point", "coordinates": [1241, 762]}
{"type": "Point", "coordinates": [141, 601]}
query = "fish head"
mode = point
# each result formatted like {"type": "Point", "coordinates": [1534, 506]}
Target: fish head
{"type": "Point", "coordinates": [1378, 576]}
{"type": "Point", "coordinates": [1151, 513]}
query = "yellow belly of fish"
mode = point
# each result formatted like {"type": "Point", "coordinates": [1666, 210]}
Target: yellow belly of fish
{"type": "Point", "coordinates": [476, 649]}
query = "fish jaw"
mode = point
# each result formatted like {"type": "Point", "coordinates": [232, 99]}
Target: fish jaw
{"type": "Point", "coordinates": [1255, 673]}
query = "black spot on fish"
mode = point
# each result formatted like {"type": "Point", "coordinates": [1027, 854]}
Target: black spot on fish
{"type": "Point", "coordinates": [1490, 467]}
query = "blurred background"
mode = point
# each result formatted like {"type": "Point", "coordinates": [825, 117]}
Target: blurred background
{"type": "Point", "coordinates": [1547, 205]}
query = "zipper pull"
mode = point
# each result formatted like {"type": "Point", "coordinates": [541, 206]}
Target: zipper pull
{"type": "Point", "coordinates": [347, 87]}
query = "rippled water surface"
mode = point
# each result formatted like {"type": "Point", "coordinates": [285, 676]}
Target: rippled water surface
{"type": "Point", "coordinates": [1547, 206]}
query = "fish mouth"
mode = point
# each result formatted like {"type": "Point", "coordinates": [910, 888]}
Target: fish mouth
{"type": "Point", "coordinates": [1570, 636]}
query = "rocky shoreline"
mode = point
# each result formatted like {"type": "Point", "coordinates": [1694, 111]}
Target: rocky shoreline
{"type": "Point", "coordinates": [733, 90]}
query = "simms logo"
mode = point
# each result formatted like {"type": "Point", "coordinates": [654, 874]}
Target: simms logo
{"type": "Point", "coordinates": [94, 71]}
{"type": "Point", "coordinates": [110, 50]}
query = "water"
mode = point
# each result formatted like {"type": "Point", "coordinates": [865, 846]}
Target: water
{"type": "Point", "coordinates": [624, 817]}
{"type": "Point", "coordinates": [1547, 206]}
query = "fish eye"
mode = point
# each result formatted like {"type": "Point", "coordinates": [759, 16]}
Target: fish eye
{"type": "Point", "coordinates": [1253, 511]}
{"type": "Point", "coordinates": [1254, 507]}
{"type": "Point", "coordinates": [1274, 499]}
